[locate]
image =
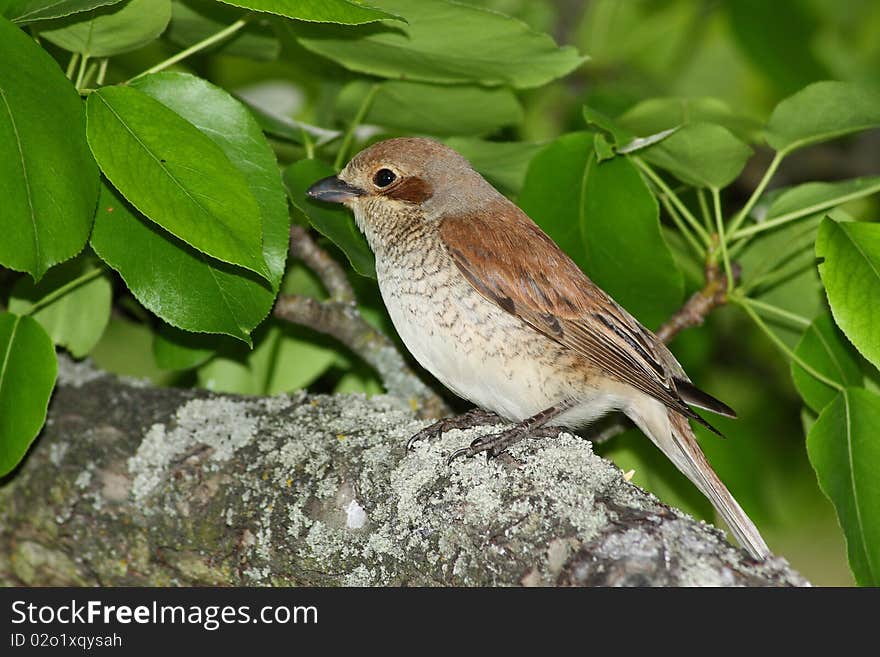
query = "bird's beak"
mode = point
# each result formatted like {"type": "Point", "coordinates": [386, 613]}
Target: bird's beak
{"type": "Point", "coordinates": [334, 190]}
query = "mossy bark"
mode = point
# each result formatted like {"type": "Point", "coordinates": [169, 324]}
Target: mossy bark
{"type": "Point", "coordinates": [134, 485]}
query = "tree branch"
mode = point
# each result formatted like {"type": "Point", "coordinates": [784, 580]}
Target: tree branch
{"type": "Point", "coordinates": [131, 485]}
{"type": "Point", "coordinates": [331, 273]}
{"type": "Point", "coordinates": [701, 303]}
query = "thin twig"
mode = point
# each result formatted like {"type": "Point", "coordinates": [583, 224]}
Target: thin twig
{"type": "Point", "coordinates": [701, 303]}
{"type": "Point", "coordinates": [330, 272]}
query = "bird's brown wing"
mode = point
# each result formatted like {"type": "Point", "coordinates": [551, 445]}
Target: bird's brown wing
{"type": "Point", "coordinates": [513, 263]}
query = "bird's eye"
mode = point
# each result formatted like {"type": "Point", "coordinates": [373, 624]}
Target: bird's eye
{"type": "Point", "coordinates": [384, 177]}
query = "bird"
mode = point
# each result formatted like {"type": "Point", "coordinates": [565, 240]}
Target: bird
{"type": "Point", "coordinates": [494, 309]}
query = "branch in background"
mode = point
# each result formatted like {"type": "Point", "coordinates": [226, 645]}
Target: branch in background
{"type": "Point", "coordinates": [701, 303]}
{"type": "Point", "coordinates": [331, 273]}
{"type": "Point", "coordinates": [340, 318]}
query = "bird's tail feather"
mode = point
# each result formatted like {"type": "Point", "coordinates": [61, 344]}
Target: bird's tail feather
{"type": "Point", "coordinates": [674, 436]}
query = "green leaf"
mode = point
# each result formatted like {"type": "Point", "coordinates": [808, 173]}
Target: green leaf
{"type": "Point", "coordinates": [227, 123]}
{"type": "Point", "coordinates": [332, 221]}
{"type": "Point", "coordinates": [285, 358]}
{"type": "Point", "coordinates": [845, 453]}
{"type": "Point", "coordinates": [180, 350]}
{"type": "Point", "coordinates": [29, 11]}
{"type": "Point", "coordinates": [27, 375]}
{"type": "Point", "coordinates": [817, 196]}
{"type": "Point", "coordinates": [175, 175]}
{"type": "Point", "coordinates": [851, 274]}
{"type": "Point", "coordinates": [345, 12]}
{"type": "Point", "coordinates": [822, 111]}
{"type": "Point", "coordinates": [701, 154]}
{"type": "Point", "coordinates": [657, 114]}
{"type": "Point", "coordinates": [48, 179]}
{"type": "Point", "coordinates": [607, 220]}
{"type": "Point", "coordinates": [72, 301]}
{"type": "Point", "coordinates": [445, 42]}
{"type": "Point", "coordinates": [504, 164]}
{"type": "Point", "coordinates": [112, 30]}
{"type": "Point", "coordinates": [617, 134]}
{"type": "Point", "coordinates": [432, 109]}
{"type": "Point", "coordinates": [284, 127]}
{"type": "Point", "coordinates": [183, 286]}
{"type": "Point", "coordinates": [778, 37]}
{"type": "Point", "coordinates": [826, 350]}
{"type": "Point", "coordinates": [195, 21]}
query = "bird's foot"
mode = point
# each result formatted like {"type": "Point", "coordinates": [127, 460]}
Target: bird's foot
{"type": "Point", "coordinates": [497, 443]}
{"type": "Point", "coordinates": [475, 417]}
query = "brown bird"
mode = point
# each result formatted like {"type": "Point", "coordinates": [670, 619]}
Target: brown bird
{"type": "Point", "coordinates": [492, 307]}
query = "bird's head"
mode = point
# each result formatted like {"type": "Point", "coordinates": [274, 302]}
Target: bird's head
{"type": "Point", "coordinates": [419, 179]}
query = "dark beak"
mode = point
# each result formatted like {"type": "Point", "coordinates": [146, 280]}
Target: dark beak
{"type": "Point", "coordinates": [333, 190]}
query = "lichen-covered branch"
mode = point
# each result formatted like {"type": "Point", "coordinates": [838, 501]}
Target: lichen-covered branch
{"type": "Point", "coordinates": [340, 318]}
{"type": "Point", "coordinates": [134, 485]}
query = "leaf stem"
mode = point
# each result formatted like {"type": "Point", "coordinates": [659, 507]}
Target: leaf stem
{"type": "Point", "coordinates": [673, 197]}
{"type": "Point", "coordinates": [308, 143]}
{"type": "Point", "coordinates": [722, 239]}
{"type": "Point", "coordinates": [704, 209]}
{"type": "Point", "coordinates": [80, 76]}
{"type": "Point", "coordinates": [102, 71]}
{"type": "Point", "coordinates": [679, 223]}
{"type": "Point", "coordinates": [803, 212]}
{"type": "Point", "coordinates": [746, 304]}
{"type": "Point", "coordinates": [366, 103]}
{"type": "Point", "coordinates": [770, 309]}
{"type": "Point", "coordinates": [71, 65]}
{"type": "Point", "coordinates": [64, 289]}
{"type": "Point", "coordinates": [196, 47]}
{"type": "Point", "coordinates": [768, 174]}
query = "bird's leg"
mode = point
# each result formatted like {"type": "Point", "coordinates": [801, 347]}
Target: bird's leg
{"type": "Point", "coordinates": [475, 417]}
{"type": "Point", "coordinates": [496, 444]}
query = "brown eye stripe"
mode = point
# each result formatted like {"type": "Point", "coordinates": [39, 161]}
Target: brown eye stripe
{"type": "Point", "coordinates": [410, 189]}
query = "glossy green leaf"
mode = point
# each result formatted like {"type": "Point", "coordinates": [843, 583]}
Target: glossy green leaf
{"type": "Point", "coordinates": [48, 179]}
{"type": "Point", "coordinates": [181, 350]}
{"type": "Point", "coordinates": [346, 12]}
{"type": "Point", "coordinates": [110, 30]}
{"type": "Point", "coordinates": [30, 11]}
{"type": "Point", "coordinates": [845, 453]}
{"type": "Point", "coordinates": [445, 42]}
{"type": "Point", "coordinates": [284, 127]}
{"type": "Point", "coordinates": [27, 375]}
{"type": "Point", "coordinates": [701, 154]}
{"type": "Point", "coordinates": [657, 114]}
{"type": "Point", "coordinates": [227, 123]}
{"type": "Point", "coordinates": [822, 111]}
{"type": "Point", "coordinates": [503, 163]}
{"type": "Point", "coordinates": [606, 219]}
{"type": "Point", "coordinates": [824, 348]}
{"type": "Point", "coordinates": [432, 109]}
{"type": "Point", "coordinates": [778, 38]}
{"type": "Point", "coordinates": [72, 304]}
{"type": "Point", "coordinates": [851, 274]}
{"type": "Point", "coordinates": [332, 221]}
{"type": "Point", "coordinates": [194, 21]}
{"type": "Point", "coordinates": [175, 175]}
{"type": "Point", "coordinates": [183, 286]}
{"type": "Point", "coordinates": [817, 196]}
